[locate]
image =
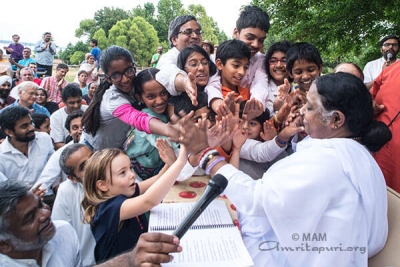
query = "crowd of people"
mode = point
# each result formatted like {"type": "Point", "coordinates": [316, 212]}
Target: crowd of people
{"type": "Point", "coordinates": [82, 162]}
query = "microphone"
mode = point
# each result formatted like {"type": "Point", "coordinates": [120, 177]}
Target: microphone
{"type": "Point", "coordinates": [388, 57]}
{"type": "Point", "coordinates": [214, 188]}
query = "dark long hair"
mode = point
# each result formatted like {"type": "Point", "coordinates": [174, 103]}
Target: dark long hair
{"type": "Point", "coordinates": [91, 117]}
{"type": "Point", "coordinates": [347, 93]}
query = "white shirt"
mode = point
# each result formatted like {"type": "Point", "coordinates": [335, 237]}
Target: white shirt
{"type": "Point", "coordinates": [372, 69]}
{"type": "Point", "coordinates": [260, 151]}
{"type": "Point", "coordinates": [15, 165]}
{"type": "Point", "coordinates": [256, 79]}
{"type": "Point", "coordinates": [57, 124]}
{"type": "Point", "coordinates": [329, 186]}
{"type": "Point", "coordinates": [52, 174]}
{"type": "Point", "coordinates": [168, 70]}
{"type": "Point", "coordinates": [61, 250]}
{"type": "Point", "coordinates": [67, 207]}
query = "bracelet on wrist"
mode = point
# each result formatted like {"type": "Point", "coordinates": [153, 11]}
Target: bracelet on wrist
{"type": "Point", "coordinates": [213, 163]}
{"type": "Point", "coordinates": [284, 143]}
{"type": "Point", "coordinates": [206, 157]}
{"type": "Point", "coordinates": [276, 119]}
{"type": "Point", "coordinates": [203, 153]}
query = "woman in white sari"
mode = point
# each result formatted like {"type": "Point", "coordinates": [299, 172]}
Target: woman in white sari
{"type": "Point", "coordinates": [324, 205]}
{"type": "Point", "coordinates": [91, 68]}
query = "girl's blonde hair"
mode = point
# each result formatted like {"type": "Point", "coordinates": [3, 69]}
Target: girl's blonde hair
{"type": "Point", "coordinates": [96, 169]}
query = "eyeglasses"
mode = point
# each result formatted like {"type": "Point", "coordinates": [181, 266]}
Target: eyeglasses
{"type": "Point", "coordinates": [390, 44]}
{"type": "Point", "coordinates": [274, 61]}
{"type": "Point", "coordinates": [128, 72]}
{"type": "Point", "coordinates": [195, 63]}
{"type": "Point", "coordinates": [189, 32]}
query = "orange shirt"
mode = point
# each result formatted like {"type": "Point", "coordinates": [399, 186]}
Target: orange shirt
{"type": "Point", "coordinates": [244, 92]}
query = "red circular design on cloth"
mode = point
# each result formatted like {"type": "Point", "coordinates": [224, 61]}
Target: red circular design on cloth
{"type": "Point", "coordinates": [233, 207]}
{"type": "Point", "coordinates": [236, 223]}
{"type": "Point", "coordinates": [197, 184]}
{"type": "Point", "coordinates": [187, 194]}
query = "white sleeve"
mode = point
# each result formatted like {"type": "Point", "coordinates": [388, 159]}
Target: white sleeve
{"type": "Point", "coordinates": [213, 88]}
{"type": "Point", "coordinates": [186, 172]}
{"type": "Point", "coordinates": [51, 172]}
{"type": "Point", "coordinates": [260, 151]}
{"type": "Point", "coordinates": [61, 205]}
{"type": "Point", "coordinates": [259, 87]}
{"type": "Point", "coordinates": [57, 128]}
{"type": "Point", "coordinates": [168, 71]}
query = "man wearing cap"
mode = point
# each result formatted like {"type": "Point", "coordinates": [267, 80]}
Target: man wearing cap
{"type": "Point", "coordinates": [183, 31]}
{"type": "Point", "coordinates": [208, 46]}
{"type": "Point", "coordinates": [389, 46]}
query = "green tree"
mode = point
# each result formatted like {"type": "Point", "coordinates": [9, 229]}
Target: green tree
{"type": "Point", "coordinates": [138, 36]}
{"type": "Point", "coordinates": [167, 11]}
{"type": "Point", "coordinates": [77, 57]}
{"type": "Point", "coordinates": [221, 35]}
{"type": "Point", "coordinates": [206, 22]}
{"type": "Point", "coordinates": [87, 27]}
{"type": "Point", "coordinates": [100, 36]}
{"type": "Point", "coordinates": [103, 19]}
{"type": "Point", "coordinates": [67, 54]}
{"type": "Point", "coordinates": [147, 12]}
{"type": "Point", "coordinates": [107, 17]}
{"type": "Point", "coordinates": [337, 28]}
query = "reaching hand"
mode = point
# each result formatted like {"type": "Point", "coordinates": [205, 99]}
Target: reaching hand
{"type": "Point", "coordinates": [191, 88]}
{"type": "Point", "coordinates": [240, 136]}
{"type": "Point", "coordinates": [166, 152]}
{"type": "Point", "coordinates": [268, 132]}
{"type": "Point", "coordinates": [283, 90]}
{"type": "Point", "coordinates": [253, 109]}
{"type": "Point", "coordinates": [39, 192]}
{"type": "Point", "coordinates": [377, 108]}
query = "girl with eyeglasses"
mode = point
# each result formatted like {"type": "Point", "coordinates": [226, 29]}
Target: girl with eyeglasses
{"type": "Point", "coordinates": [275, 67]}
{"type": "Point", "coordinates": [111, 113]}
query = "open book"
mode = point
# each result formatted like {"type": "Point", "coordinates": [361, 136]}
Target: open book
{"type": "Point", "coordinates": [213, 239]}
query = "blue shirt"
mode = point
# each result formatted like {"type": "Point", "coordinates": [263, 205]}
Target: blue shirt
{"type": "Point", "coordinates": [111, 240]}
{"type": "Point", "coordinates": [96, 52]}
{"type": "Point", "coordinates": [45, 57]}
{"type": "Point", "coordinates": [36, 108]}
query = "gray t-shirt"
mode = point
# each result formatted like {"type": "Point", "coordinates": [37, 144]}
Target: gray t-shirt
{"type": "Point", "coordinates": [112, 132]}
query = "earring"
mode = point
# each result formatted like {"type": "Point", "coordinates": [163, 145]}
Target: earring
{"type": "Point", "coordinates": [335, 127]}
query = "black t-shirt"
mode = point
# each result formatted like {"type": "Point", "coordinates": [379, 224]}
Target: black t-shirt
{"type": "Point", "coordinates": [109, 241]}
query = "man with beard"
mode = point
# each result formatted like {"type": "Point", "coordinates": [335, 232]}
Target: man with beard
{"type": "Point", "coordinates": [5, 88]}
{"type": "Point", "coordinates": [389, 46]}
{"type": "Point", "coordinates": [28, 236]}
{"type": "Point", "coordinates": [27, 92]}
{"type": "Point", "coordinates": [24, 153]}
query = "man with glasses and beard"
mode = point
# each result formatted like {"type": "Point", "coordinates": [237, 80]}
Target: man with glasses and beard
{"type": "Point", "coordinates": [24, 153]}
{"type": "Point", "coordinates": [389, 49]}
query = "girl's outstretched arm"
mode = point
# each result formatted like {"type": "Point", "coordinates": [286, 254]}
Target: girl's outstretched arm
{"type": "Point", "coordinates": [156, 192]}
